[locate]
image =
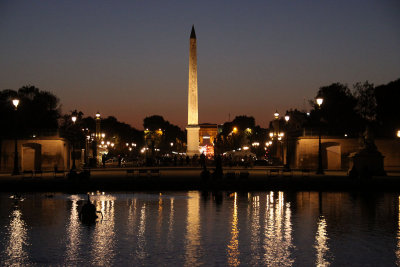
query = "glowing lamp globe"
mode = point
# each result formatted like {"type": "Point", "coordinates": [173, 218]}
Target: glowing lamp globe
{"type": "Point", "coordinates": [319, 100]}
{"type": "Point", "coordinates": [15, 102]}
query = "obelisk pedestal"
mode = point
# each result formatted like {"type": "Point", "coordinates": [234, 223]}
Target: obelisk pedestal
{"type": "Point", "coordinates": [193, 110]}
{"type": "Point", "coordinates": [192, 140]}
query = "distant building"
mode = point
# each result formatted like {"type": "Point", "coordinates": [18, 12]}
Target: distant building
{"type": "Point", "coordinates": [207, 134]}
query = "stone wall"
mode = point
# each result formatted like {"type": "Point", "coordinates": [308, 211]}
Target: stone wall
{"type": "Point", "coordinates": [35, 154]}
{"type": "Point", "coordinates": [336, 151]}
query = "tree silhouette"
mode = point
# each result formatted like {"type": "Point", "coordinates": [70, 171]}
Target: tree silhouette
{"type": "Point", "coordinates": [38, 111]}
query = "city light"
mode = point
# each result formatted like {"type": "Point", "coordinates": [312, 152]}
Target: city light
{"type": "Point", "coordinates": [15, 102]}
{"type": "Point", "coordinates": [319, 100]}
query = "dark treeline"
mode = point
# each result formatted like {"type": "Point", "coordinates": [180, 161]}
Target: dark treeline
{"type": "Point", "coordinates": [38, 111]}
{"type": "Point", "coordinates": [346, 111]}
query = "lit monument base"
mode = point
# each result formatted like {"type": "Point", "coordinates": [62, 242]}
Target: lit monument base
{"type": "Point", "coordinates": [192, 140]}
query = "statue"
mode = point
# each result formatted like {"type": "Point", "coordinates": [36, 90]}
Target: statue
{"type": "Point", "coordinates": [368, 161]}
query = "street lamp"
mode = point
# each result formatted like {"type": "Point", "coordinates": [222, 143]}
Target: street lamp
{"type": "Point", "coordinates": [320, 170]}
{"type": "Point", "coordinates": [16, 169]}
{"type": "Point", "coordinates": [287, 165]}
{"type": "Point", "coordinates": [287, 118]}
{"type": "Point", "coordinates": [98, 121]}
{"type": "Point", "coordinates": [398, 133]}
{"type": "Point", "coordinates": [15, 103]}
{"type": "Point", "coordinates": [73, 118]}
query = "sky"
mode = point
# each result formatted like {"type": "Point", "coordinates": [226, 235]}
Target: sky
{"type": "Point", "coordinates": [129, 59]}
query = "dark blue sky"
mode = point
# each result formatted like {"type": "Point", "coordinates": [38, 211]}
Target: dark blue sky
{"type": "Point", "coordinates": [130, 58]}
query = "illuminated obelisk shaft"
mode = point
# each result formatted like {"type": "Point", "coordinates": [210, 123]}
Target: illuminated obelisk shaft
{"type": "Point", "coordinates": [193, 110]}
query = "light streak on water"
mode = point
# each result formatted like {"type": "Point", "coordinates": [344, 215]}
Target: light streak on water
{"type": "Point", "coordinates": [398, 233]}
{"type": "Point", "coordinates": [73, 231]}
{"type": "Point", "coordinates": [141, 252]}
{"type": "Point", "coordinates": [171, 225]}
{"type": "Point", "coordinates": [17, 242]}
{"type": "Point", "coordinates": [255, 231]}
{"type": "Point", "coordinates": [192, 230]}
{"type": "Point", "coordinates": [233, 247]}
{"type": "Point", "coordinates": [321, 243]}
{"type": "Point", "coordinates": [103, 251]}
{"type": "Point", "coordinates": [277, 243]}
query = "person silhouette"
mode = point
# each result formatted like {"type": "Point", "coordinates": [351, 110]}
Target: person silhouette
{"type": "Point", "coordinates": [88, 212]}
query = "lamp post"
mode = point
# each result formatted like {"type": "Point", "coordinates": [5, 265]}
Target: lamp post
{"type": "Point", "coordinates": [276, 136]}
{"type": "Point", "coordinates": [320, 170]}
{"type": "Point", "coordinates": [73, 168]}
{"type": "Point", "coordinates": [16, 169]}
{"type": "Point", "coordinates": [287, 165]}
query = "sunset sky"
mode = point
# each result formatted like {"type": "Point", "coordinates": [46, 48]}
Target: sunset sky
{"type": "Point", "coordinates": [129, 59]}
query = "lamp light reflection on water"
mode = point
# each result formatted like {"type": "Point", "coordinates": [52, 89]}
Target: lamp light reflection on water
{"type": "Point", "coordinates": [277, 242]}
{"type": "Point", "coordinates": [104, 235]}
{"type": "Point", "coordinates": [16, 253]}
{"type": "Point", "coordinates": [193, 230]}
{"type": "Point", "coordinates": [321, 243]}
{"type": "Point", "coordinates": [73, 231]}
{"type": "Point", "coordinates": [398, 234]}
{"type": "Point", "coordinates": [171, 225]}
{"type": "Point", "coordinates": [141, 238]}
{"type": "Point", "coordinates": [255, 231]}
{"type": "Point", "coordinates": [233, 247]}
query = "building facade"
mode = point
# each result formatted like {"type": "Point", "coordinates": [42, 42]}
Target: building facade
{"type": "Point", "coordinates": [336, 152]}
{"type": "Point", "coordinates": [38, 154]}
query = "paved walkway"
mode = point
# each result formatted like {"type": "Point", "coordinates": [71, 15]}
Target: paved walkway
{"type": "Point", "coordinates": [181, 178]}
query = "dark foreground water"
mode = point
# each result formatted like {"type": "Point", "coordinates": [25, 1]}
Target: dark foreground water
{"type": "Point", "coordinates": [208, 229]}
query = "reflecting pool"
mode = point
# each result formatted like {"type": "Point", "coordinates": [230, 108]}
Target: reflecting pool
{"type": "Point", "coordinates": [202, 228]}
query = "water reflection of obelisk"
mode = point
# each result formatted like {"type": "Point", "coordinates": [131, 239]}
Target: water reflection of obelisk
{"type": "Point", "coordinates": [193, 110]}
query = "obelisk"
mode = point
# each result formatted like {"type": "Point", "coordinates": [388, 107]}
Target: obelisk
{"type": "Point", "coordinates": [193, 110]}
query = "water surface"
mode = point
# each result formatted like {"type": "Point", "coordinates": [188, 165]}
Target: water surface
{"type": "Point", "coordinates": [202, 229]}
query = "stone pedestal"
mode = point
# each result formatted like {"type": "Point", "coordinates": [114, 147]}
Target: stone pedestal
{"type": "Point", "coordinates": [364, 164]}
{"type": "Point", "coordinates": [368, 161]}
{"type": "Point", "coordinates": [192, 140]}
